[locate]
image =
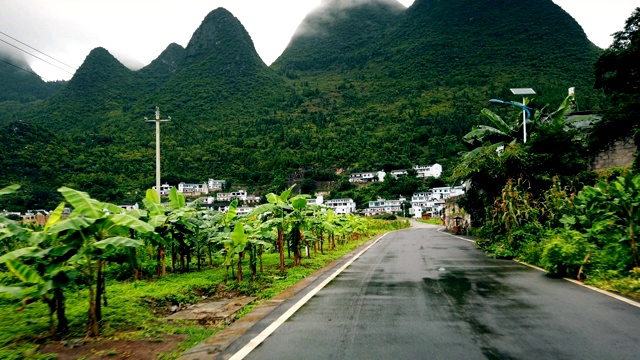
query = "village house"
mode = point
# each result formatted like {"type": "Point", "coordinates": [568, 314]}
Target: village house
{"type": "Point", "coordinates": [341, 206]}
{"type": "Point", "coordinates": [432, 202]}
{"type": "Point", "coordinates": [397, 173]}
{"type": "Point", "coordinates": [129, 205]}
{"type": "Point", "coordinates": [193, 189]}
{"type": "Point", "coordinates": [241, 195]}
{"type": "Point", "coordinates": [38, 217]}
{"type": "Point", "coordinates": [425, 171]}
{"type": "Point", "coordinates": [216, 185]}
{"type": "Point", "coordinates": [164, 189]}
{"type": "Point", "coordinates": [364, 177]}
{"type": "Point", "coordinates": [382, 206]}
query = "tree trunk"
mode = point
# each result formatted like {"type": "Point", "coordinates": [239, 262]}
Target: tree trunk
{"type": "Point", "coordinates": [188, 249]}
{"type": "Point", "coordinates": [51, 303]}
{"type": "Point", "coordinates": [158, 265]}
{"type": "Point", "coordinates": [261, 269]}
{"type": "Point", "coordinates": [198, 255]}
{"type": "Point", "coordinates": [181, 254]}
{"type": "Point", "coordinates": [173, 257]}
{"type": "Point", "coordinates": [133, 258]}
{"type": "Point", "coordinates": [162, 260]}
{"type": "Point", "coordinates": [252, 261]}
{"type": "Point", "coordinates": [93, 321]}
{"type": "Point", "coordinates": [240, 266]}
{"type": "Point", "coordinates": [99, 281]}
{"type": "Point", "coordinates": [295, 243]}
{"type": "Point", "coordinates": [281, 249]}
{"type": "Point", "coordinates": [63, 323]}
{"type": "Point", "coordinates": [321, 244]}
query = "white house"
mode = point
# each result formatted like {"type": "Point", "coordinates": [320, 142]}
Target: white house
{"type": "Point", "coordinates": [319, 200]}
{"type": "Point", "coordinates": [382, 206]}
{"type": "Point", "coordinates": [164, 189]}
{"type": "Point", "coordinates": [370, 176]}
{"type": "Point", "coordinates": [341, 206]}
{"type": "Point", "coordinates": [396, 173]}
{"type": "Point", "coordinates": [433, 201]}
{"type": "Point", "coordinates": [193, 189]}
{"type": "Point", "coordinates": [244, 210]}
{"type": "Point", "coordinates": [239, 194]}
{"type": "Point", "coordinates": [214, 185]}
{"type": "Point", "coordinates": [425, 171]}
{"type": "Point", "coordinates": [128, 206]}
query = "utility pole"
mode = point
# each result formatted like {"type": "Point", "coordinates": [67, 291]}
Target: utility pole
{"type": "Point", "coordinates": [158, 121]}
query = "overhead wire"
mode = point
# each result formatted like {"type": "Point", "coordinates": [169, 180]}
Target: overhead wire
{"type": "Point", "coordinates": [39, 58]}
{"type": "Point", "coordinates": [18, 67]}
{"type": "Point", "coordinates": [31, 47]}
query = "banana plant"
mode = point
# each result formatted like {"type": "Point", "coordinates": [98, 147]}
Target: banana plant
{"type": "Point", "coordinates": [276, 209]}
{"type": "Point", "coordinates": [158, 220]}
{"type": "Point", "coordinates": [296, 221]}
{"type": "Point", "coordinates": [41, 270]}
{"type": "Point", "coordinates": [94, 231]}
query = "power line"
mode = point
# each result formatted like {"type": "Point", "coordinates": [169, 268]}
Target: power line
{"type": "Point", "coordinates": [8, 43]}
{"type": "Point", "coordinates": [18, 67]}
{"type": "Point", "coordinates": [31, 47]}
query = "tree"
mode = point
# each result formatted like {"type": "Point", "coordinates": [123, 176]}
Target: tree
{"type": "Point", "coordinates": [618, 75]}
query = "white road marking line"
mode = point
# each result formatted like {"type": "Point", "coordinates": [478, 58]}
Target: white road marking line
{"type": "Point", "coordinates": [601, 291]}
{"type": "Point", "coordinates": [242, 353]}
{"type": "Point", "coordinates": [605, 292]}
{"type": "Point", "coordinates": [458, 237]}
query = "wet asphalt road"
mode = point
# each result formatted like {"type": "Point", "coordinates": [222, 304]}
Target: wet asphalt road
{"type": "Point", "coordinates": [422, 294]}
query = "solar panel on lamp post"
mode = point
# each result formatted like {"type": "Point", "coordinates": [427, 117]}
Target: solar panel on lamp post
{"type": "Point", "coordinates": [523, 92]}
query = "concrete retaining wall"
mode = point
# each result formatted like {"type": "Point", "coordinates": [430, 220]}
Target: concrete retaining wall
{"type": "Point", "coordinates": [619, 154]}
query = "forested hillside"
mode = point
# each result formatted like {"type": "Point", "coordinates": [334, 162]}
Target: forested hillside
{"type": "Point", "coordinates": [361, 86]}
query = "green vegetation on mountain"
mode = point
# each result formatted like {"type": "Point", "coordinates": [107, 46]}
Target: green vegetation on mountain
{"type": "Point", "coordinates": [362, 86]}
{"type": "Point", "coordinates": [20, 84]}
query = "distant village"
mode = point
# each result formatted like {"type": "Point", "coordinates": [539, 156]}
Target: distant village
{"type": "Point", "coordinates": [211, 193]}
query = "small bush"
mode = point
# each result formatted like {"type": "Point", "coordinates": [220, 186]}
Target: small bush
{"type": "Point", "coordinates": [564, 253]}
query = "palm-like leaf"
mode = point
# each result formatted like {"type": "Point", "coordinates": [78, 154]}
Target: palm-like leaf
{"type": "Point", "coordinates": [9, 189]}
{"type": "Point", "coordinates": [82, 203]}
{"type": "Point", "coordinates": [176, 199]}
{"type": "Point", "coordinates": [54, 217]}
{"type": "Point", "coordinates": [117, 241]}
{"type": "Point", "coordinates": [131, 222]}
{"type": "Point", "coordinates": [24, 272]}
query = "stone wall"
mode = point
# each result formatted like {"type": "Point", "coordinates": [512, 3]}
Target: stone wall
{"type": "Point", "coordinates": [619, 154]}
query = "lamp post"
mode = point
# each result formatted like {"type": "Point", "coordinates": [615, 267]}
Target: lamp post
{"type": "Point", "coordinates": [523, 92]}
{"type": "Point", "coordinates": [157, 121]}
{"type": "Point", "coordinates": [526, 114]}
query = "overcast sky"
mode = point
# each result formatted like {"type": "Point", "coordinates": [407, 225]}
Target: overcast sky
{"type": "Point", "coordinates": [137, 31]}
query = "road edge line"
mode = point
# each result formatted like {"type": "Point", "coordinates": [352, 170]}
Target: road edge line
{"type": "Point", "coordinates": [593, 288]}
{"type": "Point", "coordinates": [457, 237]}
{"type": "Point", "coordinates": [253, 343]}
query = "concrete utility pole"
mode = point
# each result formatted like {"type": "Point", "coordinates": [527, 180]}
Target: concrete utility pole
{"type": "Point", "coordinates": [157, 121]}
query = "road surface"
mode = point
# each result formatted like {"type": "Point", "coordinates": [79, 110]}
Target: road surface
{"type": "Point", "coordinates": [423, 294]}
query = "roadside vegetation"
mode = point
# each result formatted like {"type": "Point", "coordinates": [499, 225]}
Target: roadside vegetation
{"type": "Point", "coordinates": [101, 272]}
{"type": "Point", "coordinates": [539, 201]}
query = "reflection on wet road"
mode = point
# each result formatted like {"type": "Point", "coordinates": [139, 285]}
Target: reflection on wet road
{"type": "Point", "coordinates": [422, 294]}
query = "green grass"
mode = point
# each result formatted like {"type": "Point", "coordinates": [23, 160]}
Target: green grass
{"type": "Point", "coordinates": [136, 309]}
{"type": "Point", "coordinates": [435, 221]}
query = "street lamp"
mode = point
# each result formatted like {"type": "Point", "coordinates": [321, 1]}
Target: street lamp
{"type": "Point", "coordinates": [523, 92]}
{"type": "Point", "coordinates": [526, 114]}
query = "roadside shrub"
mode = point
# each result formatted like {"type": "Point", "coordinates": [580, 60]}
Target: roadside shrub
{"type": "Point", "coordinates": [531, 252]}
{"type": "Point", "coordinates": [564, 253]}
